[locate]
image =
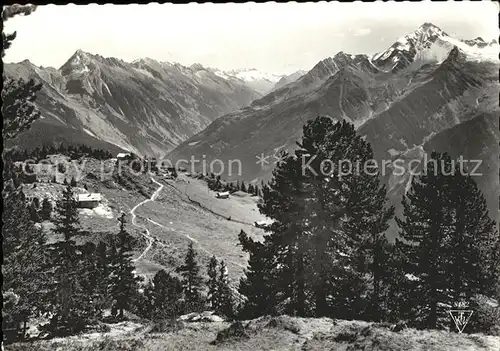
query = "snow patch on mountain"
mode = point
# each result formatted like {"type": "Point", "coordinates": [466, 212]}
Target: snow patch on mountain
{"type": "Point", "coordinates": [430, 44]}
{"type": "Point", "coordinates": [253, 75]}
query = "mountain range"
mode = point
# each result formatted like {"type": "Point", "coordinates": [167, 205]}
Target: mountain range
{"type": "Point", "coordinates": [428, 91]}
{"type": "Point", "coordinates": [146, 106]}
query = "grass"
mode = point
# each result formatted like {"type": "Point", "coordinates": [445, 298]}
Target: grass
{"type": "Point", "coordinates": [269, 333]}
{"type": "Point", "coordinates": [175, 221]}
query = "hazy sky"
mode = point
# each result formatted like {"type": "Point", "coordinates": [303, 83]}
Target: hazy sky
{"type": "Point", "coordinates": [271, 37]}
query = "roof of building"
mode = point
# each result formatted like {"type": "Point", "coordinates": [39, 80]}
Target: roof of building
{"type": "Point", "coordinates": [89, 197]}
{"type": "Point", "coordinates": [226, 193]}
{"type": "Point", "coordinates": [123, 154]}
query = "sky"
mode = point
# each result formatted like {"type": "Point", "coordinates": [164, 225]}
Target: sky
{"type": "Point", "coordinates": [272, 37]}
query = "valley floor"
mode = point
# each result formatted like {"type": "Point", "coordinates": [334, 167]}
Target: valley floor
{"type": "Point", "coordinates": [267, 333]}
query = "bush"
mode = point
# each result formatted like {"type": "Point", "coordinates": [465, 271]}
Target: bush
{"type": "Point", "coordinates": [486, 317]}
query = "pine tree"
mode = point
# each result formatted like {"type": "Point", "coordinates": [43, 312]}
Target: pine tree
{"type": "Point", "coordinates": [18, 96]}
{"type": "Point", "coordinates": [90, 280]}
{"type": "Point", "coordinates": [328, 225]}
{"type": "Point", "coordinates": [243, 186]}
{"type": "Point", "coordinates": [166, 296]}
{"type": "Point", "coordinates": [258, 284]}
{"type": "Point", "coordinates": [102, 274]}
{"type": "Point", "coordinates": [225, 295]}
{"type": "Point", "coordinates": [73, 182]}
{"type": "Point", "coordinates": [46, 210]}
{"type": "Point", "coordinates": [67, 299]}
{"type": "Point", "coordinates": [123, 281]}
{"type": "Point", "coordinates": [447, 239]}
{"type": "Point", "coordinates": [288, 239]}
{"type": "Point", "coordinates": [33, 212]}
{"type": "Point", "coordinates": [192, 281]}
{"type": "Point", "coordinates": [212, 297]}
{"type": "Point", "coordinates": [23, 269]}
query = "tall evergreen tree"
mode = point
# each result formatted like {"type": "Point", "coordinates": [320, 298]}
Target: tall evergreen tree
{"type": "Point", "coordinates": [327, 219]}
{"type": "Point", "coordinates": [46, 210]}
{"type": "Point", "coordinates": [90, 280]}
{"type": "Point", "coordinates": [258, 284]}
{"type": "Point", "coordinates": [103, 271]}
{"type": "Point", "coordinates": [447, 237]}
{"type": "Point", "coordinates": [225, 295]}
{"type": "Point", "coordinates": [23, 269]}
{"type": "Point", "coordinates": [166, 296]}
{"type": "Point", "coordinates": [212, 297]}
{"type": "Point", "coordinates": [192, 281]}
{"type": "Point", "coordinates": [67, 298]}
{"type": "Point", "coordinates": [18, 96]}
{"type": "Point", "coordinates": [123, 282]}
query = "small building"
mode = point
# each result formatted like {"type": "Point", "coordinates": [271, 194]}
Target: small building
{"type": "Point", "coordinates": [222, 195]}
{"type": "Point", "coordinates": [90, 200]}
{"type": "Point", "coordinates": [124, 156]}
{"type": "Point", "coordinates": [260, 224]}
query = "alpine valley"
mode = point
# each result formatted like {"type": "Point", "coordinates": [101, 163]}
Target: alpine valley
{"type": "Point", "coordinates": [428, 91]}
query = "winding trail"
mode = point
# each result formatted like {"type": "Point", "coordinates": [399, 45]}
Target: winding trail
{"type": "Point", "coordinates": [145, 231]}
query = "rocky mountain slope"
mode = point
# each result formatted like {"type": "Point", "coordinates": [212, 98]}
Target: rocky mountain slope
{"type": "Point", "coordinates": [418, 95]}
{"type": "Point", "coordinates": [287, 79]}
{"type": "Point", "coordinates": [145, 106]}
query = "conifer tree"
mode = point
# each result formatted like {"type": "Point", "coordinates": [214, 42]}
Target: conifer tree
{"type": "Point", "coordinates": [103, 271]}
{"type": "Point", "coordinates": [258, 284]}
{"type": "Point", "coordinates": [288, 239]}
{"type": "Point", "coordinates": [73, 182]}
{"type": "Point", "coordinates": [327, 223]}
{"type": "Point", "coordinates": [123, 282]}
{"type": "Point", "coordinates": [33, 212]}
{"type": "Point", "coordinates": [89, 280]}
{"type": "Point", "coordinates": [46, 210]}
{"type": "Point", "coordinates": [166, 296]}
{"type": "Point", "coordinates": [24, 265]}
{"type": "Point", "coordinates": [447, 236]}
{"type": "Point", "coordinates": [243, 186]}
{"type": "Point", "coordinates": [192, 281]}
{"type": "Point", "coordinates": [68, 301]}
{"type": "Point", "coordinates": [225, 295]}
{"type": "Point", "coordinates": [212, 297]}
{"type": "Point", "coordinates": [18, 96]}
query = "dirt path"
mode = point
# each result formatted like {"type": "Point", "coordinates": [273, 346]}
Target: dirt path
{"type": "Point", "coordinates": [145, 231]}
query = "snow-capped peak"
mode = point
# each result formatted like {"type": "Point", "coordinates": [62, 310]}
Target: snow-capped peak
{"type": "Point", "coordinates": [430, 43]}
{"type": "Point", "coordinates": [252, 74]}
{"type": "Point", "coordinates": [77, 63]}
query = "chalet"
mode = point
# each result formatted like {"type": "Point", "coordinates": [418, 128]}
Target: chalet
{"type": "Point", "coordinates": [260, 224]}
{"type": "Point", "coordinates": [124, 156]}
{"type": "Point", "coordinates": [222, 195]}
{"type": "Point", "coordinates": [90, 200]}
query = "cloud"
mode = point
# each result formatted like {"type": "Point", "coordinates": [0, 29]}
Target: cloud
{"type": "Point", "coordinates": [361, 31]}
